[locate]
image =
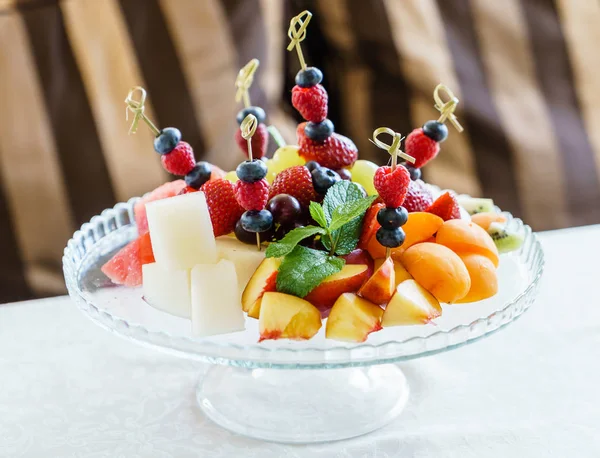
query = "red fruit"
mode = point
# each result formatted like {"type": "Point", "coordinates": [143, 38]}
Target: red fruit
{"type": "Point", "coordinates": [446, 207]}
{"type": "Point", "coordinates": [418, 197]}
{"type": "Point", "coordinates": [179, 161]}
{"type": "Point", "coordinates": [392, 186]}
{"type": "Point", "coordinates": [187, 190]}
{"type": "Point", "coordinates": [260, 141]}
{"type": "Point", "coordinates": [223, 207]}
{"type": "Point", "coordinates": [311, 102]}
{"type": "Point", "coordinates": [295, 181]}
{"type": "Point", "coordinates": [370, 225]}
{"type": "Point", "coordinates": [169, 189]}
{"type": "Point", "coordinates": [421, 147]}
{"type": "Point", "coordinates": [334, 153]}
{"type": "Point", "coordinates": [217, 173]}
{"type": "Point", "coordinates": [125, 267]}
{"type": "Point", "coordinates": [252, 196]}
{"type": "Point", "coordinates": [146, 253]}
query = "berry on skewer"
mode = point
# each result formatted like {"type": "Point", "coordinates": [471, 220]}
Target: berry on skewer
{"type": "Point", "coordinates": [176, 156]}
{"type": "Point", "coordinates": [423, 143]}
{"type": "Point", "coordinates": [317, 140]}
{"type": "Point", "coordinates": [392, 185]}
{"type": "Point", "coordinates": [252, 190]}
{"type": "Point", "coordinates": [260, 139]}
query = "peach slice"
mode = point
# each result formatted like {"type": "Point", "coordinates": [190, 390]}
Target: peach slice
{"type": "Point", "coordinates": [411, 304]}
{"type": "Point", "coordinates": [484, 220]}
{"type": "Point", "coordinates": [352, 319]}
{"type": "Point", "coordinates": [439, 270]}
{"type": "Point", "coordinates": [380, 287]}
{"type": "Point", "coordinates": [484, 281]}
{"type": "Point", "coordinates": [283, 316]}
{"type": "Point", "coordinates": [360, 256]}
{"type": "Point", "coordinates": [400, 273]}
{"type": "Point", "coordinates": [467, 237]}
{"type": "Point", "coordinates": [347, 280]}
{"type": "Point", "coordinates": [263, 280]}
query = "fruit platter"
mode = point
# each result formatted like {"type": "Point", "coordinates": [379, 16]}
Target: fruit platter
{"type": "Point", "coordinates": [302, 277]}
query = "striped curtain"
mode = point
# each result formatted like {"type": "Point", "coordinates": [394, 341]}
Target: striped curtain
{"type": "Point", "coordinates": [524, 71]}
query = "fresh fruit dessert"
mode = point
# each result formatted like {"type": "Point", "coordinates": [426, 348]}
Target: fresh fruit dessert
{"type": "Point", "coordinates": [312, 233]}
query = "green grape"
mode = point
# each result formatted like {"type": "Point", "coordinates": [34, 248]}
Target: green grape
{"type": "Point", "coordinates": [286, 157]}
{"type": "Point", "coordinates": [231, 176]}
{"type": "Point", "coordinates": [271, 172]}
{"type": "Point", "coordinates": [362, 173]}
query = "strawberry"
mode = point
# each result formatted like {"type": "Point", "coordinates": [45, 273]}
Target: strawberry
{"type": "Point", "coordinates": [311, 102]}
{"type": "Point", "coordinates": [187, 190]}
{"type": "Point", "coordinates": [146, 253]}
{"type": "Point", "coordinates": [421, 147]}
{"type": "Point", "coordinates": [222, 205]}
{"type": "Point", "coordinates": [180, 160]}
{"type": "Point", "coordinates": [392, 186]}
{"type": "Point", "coordinates": [260, 141]}
{"type": "Point", "coordinates": [446, 207]}
{"type": "Point", "coordinates": [418, 198]}
{"type": "Point", "coordinates": [370, 225]}
{"type": "Point", "coordinates": [252, 196]}
{"type": "Point", "coordinates": [334, 153]}
{"type": "Point", "coordinates": [295, 181]}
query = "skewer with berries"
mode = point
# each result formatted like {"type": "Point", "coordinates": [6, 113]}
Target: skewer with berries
{"type": "Point", "coordinates": [326, 152]}
{"type": "Point", "coordinates": [391, 182]}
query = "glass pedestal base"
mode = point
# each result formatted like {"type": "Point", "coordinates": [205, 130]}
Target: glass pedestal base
{"type": "Point", "coordinates": [303, 406]}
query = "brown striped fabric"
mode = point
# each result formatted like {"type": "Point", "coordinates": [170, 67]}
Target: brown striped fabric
{"type": "Point", "coordinates": [524, 70]}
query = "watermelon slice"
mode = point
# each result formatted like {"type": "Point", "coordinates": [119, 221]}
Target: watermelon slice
{"type": "Point", "coordinates": [169, 189]}
{"type": "Point", "coordinates": [125, 267]}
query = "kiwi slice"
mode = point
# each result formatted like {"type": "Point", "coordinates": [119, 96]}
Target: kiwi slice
{"type": "Point", "coordinates": [476, 205]}
{"type": "Point", "coordinates": [505, 239]}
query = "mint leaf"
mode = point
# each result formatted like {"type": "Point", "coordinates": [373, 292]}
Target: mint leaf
{"type": "Point", "coordinates": [346, 237]}
{"type": "Point", "coordinates": [304, 269]}
{"type": "Point", "coordinates": [348, 211]}
{"type": "Point", "coordinates": [291, 239]}
{"type": "Point", "coordinates": [318, 214]}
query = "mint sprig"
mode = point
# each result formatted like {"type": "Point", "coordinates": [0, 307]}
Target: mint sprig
{"type": "Point", "coordinates": [304, 269]}
{"type": "Point", "coordinates": [340, 220]}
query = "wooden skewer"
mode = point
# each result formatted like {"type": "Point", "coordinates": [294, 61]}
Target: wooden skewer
{"type": "Point", "coordinates": [248, 128]}
{"type": "Point", "coordinates": [297, 35]}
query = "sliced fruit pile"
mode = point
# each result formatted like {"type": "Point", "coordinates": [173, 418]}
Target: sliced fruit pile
{"type": "Point", "coordinates": [363, 246]}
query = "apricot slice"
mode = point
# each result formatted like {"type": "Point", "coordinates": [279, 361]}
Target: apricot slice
{"type": "Point", "coordinates": [419, 227]}
{"type": "Point", "coordinates": [439, 270]}
{"type": "Point", "coordinates": [484, 220]}
{"type": "Point", "coordinates": [464, 237]}
{"type": "Point", "coordinates": [484, 281]}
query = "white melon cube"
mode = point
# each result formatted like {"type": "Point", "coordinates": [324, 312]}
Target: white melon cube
{"type": "Point", "coordinates": [181, 231]}
{"type": "Point", "coordinates": [216, 307]}
{"type": "Point", "coordinates": [167, 290]}
{"type": "Point", "coordinates": [246, 258]}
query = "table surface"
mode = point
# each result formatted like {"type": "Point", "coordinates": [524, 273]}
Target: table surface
{"type": "Point", "coordinates": [71, 389]}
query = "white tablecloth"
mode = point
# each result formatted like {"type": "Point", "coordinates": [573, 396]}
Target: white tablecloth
{"type": "Point", "coordinates": [71, 389]}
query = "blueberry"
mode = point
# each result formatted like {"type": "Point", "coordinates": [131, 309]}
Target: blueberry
{"type": "Point", "coordinates": [391, 218]}
{"type": "Point", "coordinates": [167, 140]}
{"type": "Point", "coordinates": [323, 179]}
{"type": "Point", "coordinates": [257, 220]}
{"type": "Point", "coordinates": [199, 175]}
{"type": "Point", "coordinates": [390, 238]}
{"type": "Point", "coordinates": [249, 238]}
{"type": "Point", "coordinates": [319, 131]}
{"type": "Point", "coordinates": [312, 165]}
{"type": "Point", "coordinates": [309, 77]}
{"type": "Point", "coordinates": [258, 112]}
{"type": "Point", "coordinates": [251, 171]}
{"type": "Point", "coordinates": [415, 173]}
{"type": "Point", "coordinates": [435, 130]}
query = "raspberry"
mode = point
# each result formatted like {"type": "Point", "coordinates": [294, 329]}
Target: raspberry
{"type": "Point", "coordinates": [180, 160]}
{"type": "Point", "coordinates": [418, 197]}
{"type": "Point", "coordinates": [334, 153]}
{"type": "Point", "coordinates": [260, 141]}
{"type": "Point", "coordinates": [252, 196]}
{"type": "Point", "coordinates": [297, 182]}
{"type": "Point", "coordinates": [421, 147]}
{"type": "Point", "coordinates": [223, 207]}
{"type": "Point", "coordinates": [446, 207]}
{"type": "Point", "coordinates": [311, 102]}
{"type": "Point", "coordinates": [370, 225]}
{"type": "Point", "coordinates": [392, 186]}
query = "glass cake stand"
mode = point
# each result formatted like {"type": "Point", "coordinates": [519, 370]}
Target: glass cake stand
{"type": "Point", "coordinates": [290, 391]}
